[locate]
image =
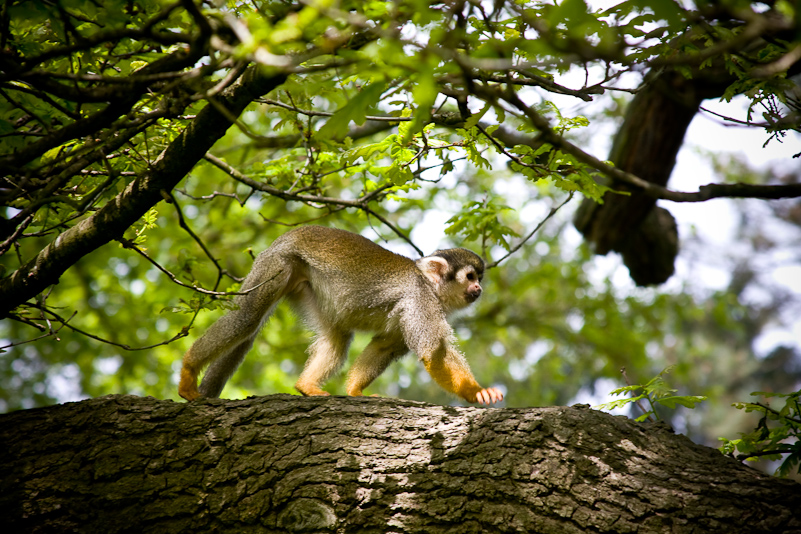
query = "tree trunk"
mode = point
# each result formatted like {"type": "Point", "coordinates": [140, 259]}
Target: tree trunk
{"type": "Point", "coordinates": [326, 464]}
{"type": "Point", "coordinates": [646, 145]}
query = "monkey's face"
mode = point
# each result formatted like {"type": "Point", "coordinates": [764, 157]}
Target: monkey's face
{"type": "Point", "coordinates": [470, 280]}
{"type": "Point", "coordinates": [456, 274]}
{"type": "Point", "coordinates": [462, 289]}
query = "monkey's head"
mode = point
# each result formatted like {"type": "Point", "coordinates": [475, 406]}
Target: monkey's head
{"type": "Point", "coordinates": [456, 274]}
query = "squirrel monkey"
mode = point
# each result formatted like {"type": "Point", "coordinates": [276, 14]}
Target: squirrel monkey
{"type": "Point", "coordinates": [341, 282]}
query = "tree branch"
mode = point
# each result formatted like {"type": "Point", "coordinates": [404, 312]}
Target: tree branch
{"type": "Point", "coordinates": [361, 203]}
{"type": "Point", "coordinates": [705, 192]}
{"type": "Point", "coordinates": [115, 217]}
{"type": "Point", "coordinates": [285, 463]}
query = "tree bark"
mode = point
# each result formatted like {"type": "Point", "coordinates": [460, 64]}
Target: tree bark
{"type": "Point", "coordinates": [329, 464]}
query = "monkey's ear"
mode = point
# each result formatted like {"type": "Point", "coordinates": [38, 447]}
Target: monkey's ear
{"type": "Point", "coordinates": [434, 268]}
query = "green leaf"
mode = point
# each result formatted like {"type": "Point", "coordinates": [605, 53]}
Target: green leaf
{"type": "Point", "coordinates": [688, 401]}
{"type": "Point", "coordinates": [355, 110]}
{"type": "Point", "coordinates": [625, 389]}
{"type": "Point", "coordinates": [619, 403]}
{"type": "Point", "coordinates": [472, 121]}
{"type": "Point", "coordinates": [368, 151]}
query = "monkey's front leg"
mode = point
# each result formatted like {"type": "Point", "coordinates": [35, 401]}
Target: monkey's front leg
{"type": "Point", "coordinates": [450, 370]}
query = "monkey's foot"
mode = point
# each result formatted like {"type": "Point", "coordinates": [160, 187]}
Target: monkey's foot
{"type": "Point", "coordinates": [355, 392]}
{"type": "Point", "coordinates": [310, 390]}
{"type": "Point", "coordinates": [189, 394]}
{"type": "Point", "coordinates": [319, 393]}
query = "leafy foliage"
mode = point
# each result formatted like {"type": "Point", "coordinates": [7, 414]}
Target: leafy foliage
{"type": "Point", "coordinates": [777, 434]}
{"type": "Point", "coordinates": [655, 391]}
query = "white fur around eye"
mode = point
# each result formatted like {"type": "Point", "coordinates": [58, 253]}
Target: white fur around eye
{"type": "Point", "coordinates": [462, 275]}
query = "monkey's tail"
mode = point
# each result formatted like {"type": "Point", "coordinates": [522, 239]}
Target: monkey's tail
{"type": "Point", "coordinates": [224, 345]}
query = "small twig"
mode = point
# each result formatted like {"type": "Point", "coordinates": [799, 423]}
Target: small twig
{"type": "Point", "coordinates": [531, 234]}
{"type": "Point", "coordinates": [757, 454]}
{"type": "Point", "coordinates": [49, 331]}
{"type": "Point", "coordinates": [362, 203]}
{"type": "Point", "coordinates": [394, 229]}
{"type": "Point", "coordinates": [311, 113]}
{"type": "Point", "coordinates": [274, 191]}
{"type": "Point", "coordinates": [131, 245]}
{"type": "Point", "coordinates": [776, 412]}
{"type": "Point", "coordinates": [301, 223]}
{"type": "Point", "coordinates": [65, 323]}
{"type": "Point", "coordinates": [5, 245]}
{"type": "Point", "coordinates": [736, 122]}
{"type": "Point", "coordinates": [182, 223]}
{"type": "Point", "coordinates": [213, 195]}
{"type": "Point", "coordinates": [539, 169]}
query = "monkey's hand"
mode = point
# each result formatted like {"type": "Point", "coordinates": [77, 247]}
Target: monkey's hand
{"type": "Point", "coordinates": [489, 396]}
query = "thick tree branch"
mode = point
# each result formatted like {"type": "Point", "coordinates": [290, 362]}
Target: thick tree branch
{"type": "Point", "coordinates": [115, 217]}
{"type": "Point", "coordinates": [282, 463]}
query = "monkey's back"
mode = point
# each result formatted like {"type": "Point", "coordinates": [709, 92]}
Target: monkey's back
{"type": "Point", "coordinates": [345, 276]}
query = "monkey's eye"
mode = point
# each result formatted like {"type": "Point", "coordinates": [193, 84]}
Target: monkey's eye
{"type": "Point", "coordinates": [471, 276]}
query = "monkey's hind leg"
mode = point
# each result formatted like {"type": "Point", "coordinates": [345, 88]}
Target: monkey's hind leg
{"type": "Point", "coordinates": [226, 342]}
{"type": "Point", "coordinates": [187, 387]}
{"type": "Point", "coordinates": [326, 356]}
{"type": "Point", "coordinates": [379, 353]}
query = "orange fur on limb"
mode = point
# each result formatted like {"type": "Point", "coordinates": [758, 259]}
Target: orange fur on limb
{"type": "Point", "coordinates": [187, 387]}
{"type": "Point", "coordinates": [449, 369]}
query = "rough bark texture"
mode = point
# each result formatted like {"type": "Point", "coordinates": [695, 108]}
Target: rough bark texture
{"type": "Point", "coordinates": [291, 464]}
